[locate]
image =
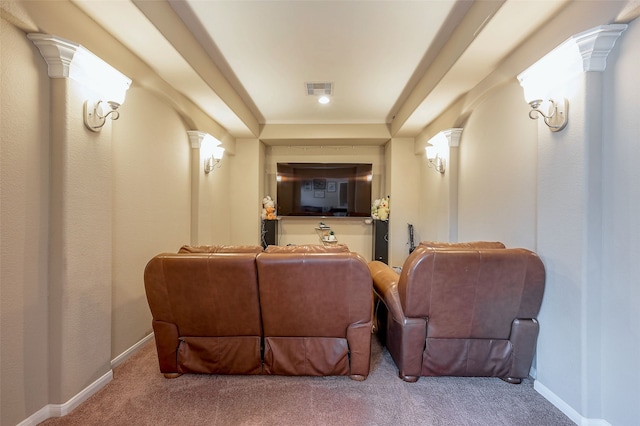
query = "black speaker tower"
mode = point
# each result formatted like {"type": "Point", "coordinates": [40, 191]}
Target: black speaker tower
{"type": "Point", "coordinates": [269, 233]}
{"type": "Point", "coordinates": [381, 240]}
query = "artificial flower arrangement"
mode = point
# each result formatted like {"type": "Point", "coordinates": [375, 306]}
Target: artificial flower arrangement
{"type": "Point", "coordinates": [380, 209]}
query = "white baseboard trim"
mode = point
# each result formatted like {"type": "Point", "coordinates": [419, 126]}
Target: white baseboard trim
{"type": "Point", "coordinates": [566, 408]}
{"type": "Point", "coordinates": [133, 349]}
{"type": "Point", "coordinates": [59, 410]}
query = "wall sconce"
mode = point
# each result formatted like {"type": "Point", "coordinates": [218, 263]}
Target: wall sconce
{"type": "Point", "coordinates": [435, 161]}
{"type": "Point", "coordinates": [213, 161]}
{"type": "Point", "coordinates": [110, 85]}
{"type": "Point", "coordinates": [583, 52]}
{"type": "Point", "coordinates": [437, 149]}
{"type": "Point", "coordinates": [66, 59]}
{"type": "Point", "coordinates": [210, 149]}
{"type": "Point", "coordinates": [549, 76]}
{"type": "Point", "coordinates": [113, 90]}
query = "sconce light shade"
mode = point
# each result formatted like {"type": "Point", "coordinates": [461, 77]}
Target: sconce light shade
{"type": "Point", "coordinates": [432, 152]}
{"type": "Point", "coordinates": [535, 83]}
{"type": "Point", "coordinates": [542, 82]}
{"type": "Point", "coordinates": [218, 153]}
{"type": "Point", "coordinates": [112, 86]}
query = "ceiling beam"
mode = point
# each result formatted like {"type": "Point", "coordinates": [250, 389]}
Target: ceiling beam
{"type": "Point", "coordinates": [174, 30]}
{"type": "Point", "coordinates": [479, 14]}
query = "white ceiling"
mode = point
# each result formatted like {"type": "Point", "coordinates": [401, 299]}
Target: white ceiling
{"type": "Point", "coordinates": [369, 50]}
{"type": "Point", "coordinates": [398, 63]}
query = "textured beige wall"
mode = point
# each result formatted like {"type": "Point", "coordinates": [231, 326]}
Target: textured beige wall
{"type": "Point", "coordinates": [24, 204]}
{"type": "Point", "coordinates": [117, 198]}
{"type": "Point", "coordinates": [244, 200]}
{"type": "Point", "coordinates": [498, 167]}
{"type": "Point", "coordinates": [493, 195]}
{"type": "Point", "coordinates": [151, 207]}
{"type": "Point", "coordinates": [215, 214]}
{"type": "Point", "coordinates": [405, 187]}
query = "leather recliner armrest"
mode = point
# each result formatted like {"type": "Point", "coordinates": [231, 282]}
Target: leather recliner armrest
{"type": "Point", "coordinates": [406, 338]}
{"type": "Point", "coordinates": [385, 284]}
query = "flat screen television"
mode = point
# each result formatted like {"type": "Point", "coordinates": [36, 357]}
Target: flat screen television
{"type": "Point", "coordinates": [324, 189]}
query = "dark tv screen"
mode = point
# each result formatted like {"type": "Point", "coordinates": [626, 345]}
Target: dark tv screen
{"type": "Point", "coordinates": [323, 189]}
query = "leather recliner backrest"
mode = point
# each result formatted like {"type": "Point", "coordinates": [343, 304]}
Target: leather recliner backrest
{"type": "Point", "coordinates": [467, 245]}
{"type": "Point", "coordinates": [220, 249]}
{"type": "Point", "coordinates": [471, 293]}
{"type": "Point", "coordinates": [205, 294]}
{"type": "Point", "coordinates": [313, 294]}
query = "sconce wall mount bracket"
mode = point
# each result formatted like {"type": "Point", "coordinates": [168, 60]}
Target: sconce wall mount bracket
{"type": "Point", "coordinates": [94, 119]}
{"type": "Point", "coordinates": [556, 117]}
{"type": "Point", "coordinates": [437, 163]}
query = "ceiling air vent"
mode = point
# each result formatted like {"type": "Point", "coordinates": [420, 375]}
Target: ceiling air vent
{"type": "Point", "coordinates": [319, 89]}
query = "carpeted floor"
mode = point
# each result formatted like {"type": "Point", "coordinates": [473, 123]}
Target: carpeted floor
{"type": "Point", "coordinates": [140, 395]}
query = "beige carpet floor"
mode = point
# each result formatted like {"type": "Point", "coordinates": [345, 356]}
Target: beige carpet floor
{"type": "Point", "coordinates": [140, 395]}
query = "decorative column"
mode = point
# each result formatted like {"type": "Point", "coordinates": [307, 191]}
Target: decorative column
{"type": "Point", "coordinates": [197, 174]}
{"type": "Point", "coordinates": [80, 265]}
{"type": "Point", "coordinates": [569, 237]}
{"type": "Point", "coordinates": [442, 156]}
{"type": "Point", "coordinates": [206, 154]}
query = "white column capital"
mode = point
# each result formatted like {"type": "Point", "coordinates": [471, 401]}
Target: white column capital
{"type": "Point", "coordinates": [57, 52]}
{"type": "Point", "coordinates": [595, 44]}
{"type": "Point", "coordinates": [195, 138]}
{"type": "Point", "coordinates": [453, 136]}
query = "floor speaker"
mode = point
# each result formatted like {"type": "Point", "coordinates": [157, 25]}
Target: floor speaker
{"type": "Point", "coordinates": [269, 233]}
{"type": "Point", "coordinates": [381, 240]}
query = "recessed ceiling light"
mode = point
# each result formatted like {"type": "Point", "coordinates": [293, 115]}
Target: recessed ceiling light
{"type": "Point", "coordinates": [323, 91]}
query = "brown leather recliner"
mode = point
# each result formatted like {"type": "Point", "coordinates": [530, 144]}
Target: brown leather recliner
{"type": "Point", "coordinates": [317, 311]}
{"type": "Point", "coordinates": [206, 313]}
{"type": "Point", "coordinates": [461, 311]}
